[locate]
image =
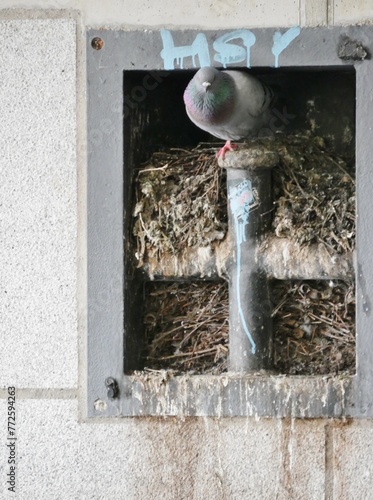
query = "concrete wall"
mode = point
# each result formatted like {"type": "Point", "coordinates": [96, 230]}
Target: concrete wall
{"type": "Point", "coordinates": [42, 295]}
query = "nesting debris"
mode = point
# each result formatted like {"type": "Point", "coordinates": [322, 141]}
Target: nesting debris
{"type": "Point", "coordinates": [314, 325]}
{"type": "Point", "coordinates": [314, 193]}
{"type": "Point", "coordinates": [187, 327]}
{"type": "Point", "coordinates": [181, 198]}
{"type": "Point", "coordinates": [180, 202]}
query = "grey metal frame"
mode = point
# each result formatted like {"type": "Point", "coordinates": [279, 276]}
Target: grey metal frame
{"type": "Point", "coordinates": [227, 394]}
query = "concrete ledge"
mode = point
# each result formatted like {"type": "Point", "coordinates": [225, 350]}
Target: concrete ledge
{"type": "Point", "coordinates": [229, 395]}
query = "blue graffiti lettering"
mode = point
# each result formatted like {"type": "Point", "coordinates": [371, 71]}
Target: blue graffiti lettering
{"type": "Point", "coordinates": [171, 54]}
{"type": "Point", "coordinates": [280, 42]}
{"type": "Point", "coordinates": [226, 52]}
{"type": "Point", "coordinates": [230, 53]}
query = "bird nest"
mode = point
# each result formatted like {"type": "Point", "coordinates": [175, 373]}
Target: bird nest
{"type": "Point", "coordinates": [181, 198]}
{"type": "Point", "coordinates": [314, 194]}
{"type": "Point", "coordinates": [180, 202]}
{"type": "Point", "coordinates": [314, 328]}
{"type": "Point", "coordinates": [187, 327]}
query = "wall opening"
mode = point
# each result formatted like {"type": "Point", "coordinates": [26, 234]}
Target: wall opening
{"type": "Point", "coordinates": [317, 109]}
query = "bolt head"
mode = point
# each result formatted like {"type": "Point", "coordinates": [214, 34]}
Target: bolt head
{"type": "Point", "coordinates": [109, 381]}
{"type": "Point", "coordinates": [97, 43]}
{"type": "Point", "coordinates": [111, 393]}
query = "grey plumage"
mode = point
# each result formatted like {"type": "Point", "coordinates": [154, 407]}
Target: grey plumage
{"type": "Point", "coordinates": [229, 104]}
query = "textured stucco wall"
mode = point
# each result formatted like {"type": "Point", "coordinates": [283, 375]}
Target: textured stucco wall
{"type": "Point", "coordinates": [195, 459]}
{"type": "Point", "coordinates": [39, 203]}
{"type": "Point", "coordinates": [42, 302]}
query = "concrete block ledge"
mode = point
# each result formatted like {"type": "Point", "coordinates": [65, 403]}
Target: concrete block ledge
{"type": "Point", "coordinates": [231, 395]}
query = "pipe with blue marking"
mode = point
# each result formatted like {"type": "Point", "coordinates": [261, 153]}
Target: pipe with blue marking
{"type": "Point", "coordinates": [249, 217]}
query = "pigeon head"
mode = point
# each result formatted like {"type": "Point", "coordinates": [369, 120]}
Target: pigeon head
{"type": "Point", "coordinates": [206, 77]}
{"type": "Point", "coordinates": [209, 96]}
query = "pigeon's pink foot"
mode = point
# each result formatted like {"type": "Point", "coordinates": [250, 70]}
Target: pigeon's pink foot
{"type": "Point", "coordinates": [228, 146]}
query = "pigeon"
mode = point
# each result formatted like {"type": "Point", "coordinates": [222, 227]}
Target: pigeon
{"type": "Point", "coordinates": [229, 104]}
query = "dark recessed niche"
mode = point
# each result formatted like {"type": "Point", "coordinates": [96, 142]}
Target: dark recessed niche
{"type": "Point", "coordinates": [155, 119]}
{"type": "Point", "coordinates": [316, 100]}
{"type": "Point", "coordinates": [313, 103]}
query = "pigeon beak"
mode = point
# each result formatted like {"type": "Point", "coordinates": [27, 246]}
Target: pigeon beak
{"type": "Point", "coordinates": [206, 85]}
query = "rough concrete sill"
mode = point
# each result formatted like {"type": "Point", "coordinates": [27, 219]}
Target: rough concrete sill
{"type": "Point", "coordinates": [233, 395]}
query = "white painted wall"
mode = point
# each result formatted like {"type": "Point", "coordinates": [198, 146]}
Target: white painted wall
{"type": "Point", "coordinates": [39, 207]}
{"type": "Point", "coordinates": [42, 295]}
{"type": "Point", "coordinates": [203, 14]}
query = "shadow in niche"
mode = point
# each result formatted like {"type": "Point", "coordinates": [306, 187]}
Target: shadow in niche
{"type": "Point", "coordinates": [322, 101]}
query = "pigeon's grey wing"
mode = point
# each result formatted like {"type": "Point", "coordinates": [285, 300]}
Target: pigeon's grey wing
{"type": "Point", "coordinates": [253, 97]}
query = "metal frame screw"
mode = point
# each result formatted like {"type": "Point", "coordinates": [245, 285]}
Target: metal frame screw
{"type": "Point", "coordinates": [112, 388]}
{"type": "Point", "coordinates": [97, 43]}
